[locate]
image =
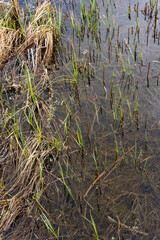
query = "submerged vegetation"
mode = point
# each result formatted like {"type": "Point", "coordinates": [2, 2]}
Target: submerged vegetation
{"type": "Point", "coordinates": [79, 139]}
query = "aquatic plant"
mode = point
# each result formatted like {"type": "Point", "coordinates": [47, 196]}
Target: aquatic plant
{"type": "Point", "coordinates": [48, 225]}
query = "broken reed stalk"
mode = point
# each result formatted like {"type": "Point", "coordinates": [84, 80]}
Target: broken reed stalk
{"type": "Point", "coordinates": [148, 74]}
{"type": "Point", "coordinates": [118, 161]}
{"type": "Point", "coordinates": [109, 48]}
{"type": "Point", "coordinates": [103, 74]}
{"type": "Point", "coordinates": [88, 72]}
{"type": "Point", "coordinates": [113, 167]}
{"type": "Point", "coordinates": [118, 37]}
{"type": "Point", "coordinates": [127, 227]}
{"type": "Point", "coordinates": [129, 11]}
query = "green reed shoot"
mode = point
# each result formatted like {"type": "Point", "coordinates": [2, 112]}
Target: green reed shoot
{"type": "Point", "coordinates": [64, 182]}
{"type": "Point", "coordinates": [124, 153]}
{"type": "Point", "coordinates": [30, 117]}
{"type": "Point", "coordinates": [39, 132]}
{"type": "Point", "coordinates": [115, 112]}
{"type": "Point", "coordinates": [135, 153]}
{"type": "Point", "coordinates": [38, 194]}
{"type": "Point", "coordinates": [129, 68]}
{"type": "Point", "coordinates": [91, 23]}
{"type": "Point", "coordinates": [11, 143]}
{"type": "Point", "coordinates": [67, 168]}
{"type": "Point", "coordinates": [93, 5]}
{"type": "Point", "coordinates": [74, 64]}
{"type": "Point", "coordinates": [136, 104]}
{"type": "Point", "coordinates": [1, 99]}
{"type": "Point", "coordinates": [95, 161]}
{"type": "Point", "coordinates": [72, 20]}
{"type": "Point", "coordinates": [120, 94]}
{"type": "Point", "coordinates": [140, 153]}
{"type": "Point", "coordinates": [140, 60]}
{"type": "Point", "coordinates": [79, 137]}
{"type": "Point", "coordinates": [59, 19]}
{"type": "Point", "coordinates": [7, 19]}
{"type": "Point", "coordinates": [65, 128]}
{"type": "Point", "coordinates": [129, 48]}
{"type": "Point", "coordinates": [120, 112]}
{"type": "Point", "coordinates": [78, 29]}
{"type": "Point", "coordinates": [84, 69]}
{"type": "Point", "coordinates": [105, 21]}
{"type": "Point", "coordinates": [112, 20]}
{"type": "Point", "coordinates": [129, 9]}
{"type": "Point", "coordinates": [135, 46]}
{"type": "Point", "coordinates": [137, 22]}
{"type": "Point", "coordinates": [81, 10]}
{"type": "Point", "coordinates": [96, 27]}
{"type": "Point", "coordinates": [84, 13]}
{"type": "Point", "coordinates": [145, 165]}
{"type": "Point", "coordinates": [28, 9]}
{"type": "Point", "coordinates": [146, 136]}
{"type": "Point", "coordinates": [49, 225]}
{"type": "Point", "coordinates": [94, 226]}
{"type": "Point", "coordinates": [21, 136]}
{"type": "Point", "coordinates": [116, 143]}
{"type": "Point", "coordinates": [65, 122]}
{"type": "Point", "coordinates": [88, 22]}
{"type": "Point", "coordinates": [107, 3]}
{"type": "Point", "coordinates": [107, 25]}
{"type": "Point", "coordinates": [2, 181]}
{"type": "Point", "coordinates": [16, 131]}
{"type": "Point", "coordinates": [38, 125]}
{"type": "Point", "coordinates": [19, 139]}
{"type": "Point", "coordinates": [57, 144]}
{"type": "Point", "coordinates": [29, 84]}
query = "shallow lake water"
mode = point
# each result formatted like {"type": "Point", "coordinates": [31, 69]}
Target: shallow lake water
{"type": "Point", "coordinates": [118, 113]}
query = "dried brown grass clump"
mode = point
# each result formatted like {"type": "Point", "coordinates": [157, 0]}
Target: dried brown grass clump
{"type": "Point", "coordinates": [39, 31]}
{"type": "Point", "coordinates": [30, 142]}
{"type": "Point", "coordinates": [8, 40]}
{"type": "Point", "coordinates": [25, 170]}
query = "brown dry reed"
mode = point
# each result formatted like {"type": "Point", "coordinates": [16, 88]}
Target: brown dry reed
{"type": "Point", "coordinates": [26, 163]}
{"type": "Point", "coordinates": [39, 30]}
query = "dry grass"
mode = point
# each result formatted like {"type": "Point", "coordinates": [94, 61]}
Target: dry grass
{"type": "Point", "coordinates": [26, 156]}
{"type": "Point", "coordinates": [19, 33]}
{"type": "Point", "coordinates": [25, 165]}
